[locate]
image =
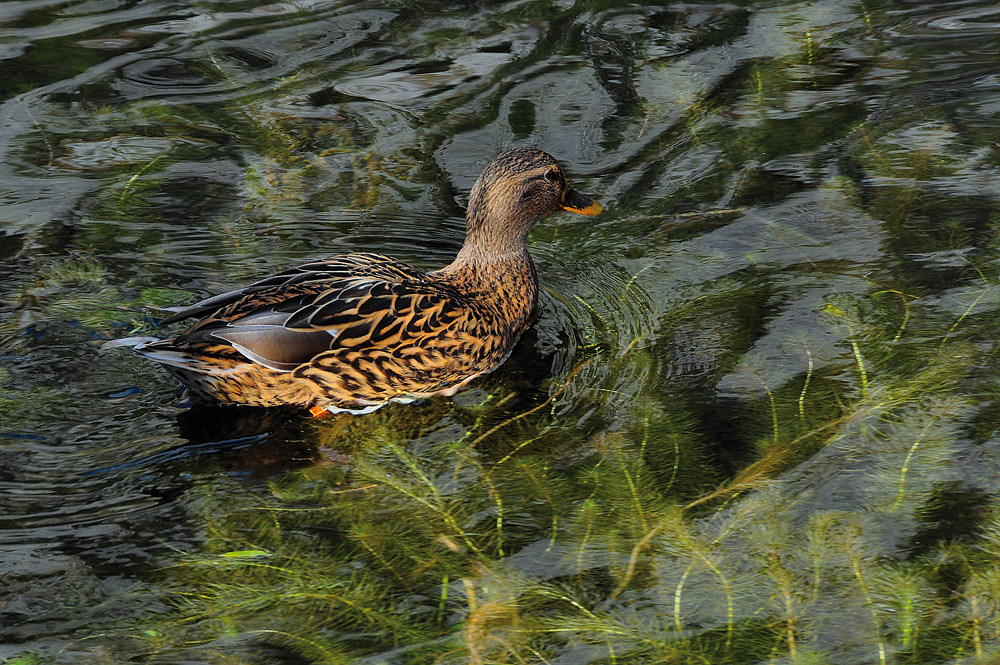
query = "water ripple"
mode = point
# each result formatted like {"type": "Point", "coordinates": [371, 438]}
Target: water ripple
{"type": "Point", "coordinates": [758, 167]}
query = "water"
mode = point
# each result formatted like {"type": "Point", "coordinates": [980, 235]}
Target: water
{"type": "Point", "coordinates": [754, 422]}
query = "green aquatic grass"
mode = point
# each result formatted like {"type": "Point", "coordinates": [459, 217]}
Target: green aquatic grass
{"type": "Point", "coordinates": [626, 508]}
{"type": "Point", "coordinates": [602, 544]}
{"type": "Point", "coordinates": [520, 528]}
{"type": "Point", "coordinates": [83, 290]}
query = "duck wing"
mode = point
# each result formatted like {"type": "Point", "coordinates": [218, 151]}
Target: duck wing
{"type": "Point", "coordinates": [337, 267]}
{"type": "Point", "coordinates": [351, 302]}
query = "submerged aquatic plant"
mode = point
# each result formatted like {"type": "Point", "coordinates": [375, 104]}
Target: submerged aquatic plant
{"type": "Point", "coordinates": [552, 537]}
{"type": "Point", "coordinates": [757, 422]}
{"type": "Point", "coordinates": [695, 484]}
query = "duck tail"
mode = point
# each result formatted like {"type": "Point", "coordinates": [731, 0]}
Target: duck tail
{"type": "Point", "coordinates": [166, 353]}
{"type": "Point", "coordinates": [130, 342]}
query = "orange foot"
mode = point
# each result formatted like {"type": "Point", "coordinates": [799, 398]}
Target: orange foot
{"type": "Point", "coordinates": [318, 411]}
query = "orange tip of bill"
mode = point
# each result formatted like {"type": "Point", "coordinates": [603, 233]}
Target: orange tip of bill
{"type": "Point", "coordinates": [594, 208]}
{"type": "Point", "coordinates": [581, 204]}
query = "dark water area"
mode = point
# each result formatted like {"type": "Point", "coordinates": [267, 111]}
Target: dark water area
{"type": "Point", "coordinates": [755, 421]}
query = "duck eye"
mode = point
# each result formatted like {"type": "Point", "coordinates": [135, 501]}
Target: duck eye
{"type": "Point", "coordinates": [552, 176]}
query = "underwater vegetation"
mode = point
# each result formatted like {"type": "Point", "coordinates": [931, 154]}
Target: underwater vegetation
{"type": "Point", "coordinates": [754, 422]}
{"type": "Point", "coordinates": [527, 538]}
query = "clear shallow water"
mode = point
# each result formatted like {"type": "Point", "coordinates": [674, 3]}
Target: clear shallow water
{"type": "Point", "coordinates": [755, 421]}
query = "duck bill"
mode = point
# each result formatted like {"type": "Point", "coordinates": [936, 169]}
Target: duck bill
{"type": "Point", "coordinates": [576, 202]}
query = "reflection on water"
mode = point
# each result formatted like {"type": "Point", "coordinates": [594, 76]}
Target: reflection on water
{"type": "Point", "coordinates": [754, 422]}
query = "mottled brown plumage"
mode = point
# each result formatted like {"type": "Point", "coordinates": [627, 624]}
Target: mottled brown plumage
{"type": "Point", "coordinates": [353, 332]}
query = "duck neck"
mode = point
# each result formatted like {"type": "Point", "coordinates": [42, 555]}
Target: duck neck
{"type": "Point", "coordinates": [492, 245]}
{"type": "Point", "coordinates": [479, 266]}
{"type": "Point", "coordinates": [473, 256]}
{"type": "Point", "coordinates": [497, 268]}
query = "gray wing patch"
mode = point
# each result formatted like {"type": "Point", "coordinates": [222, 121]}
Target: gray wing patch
{"type": "Point", "coordinates": [275, 346]}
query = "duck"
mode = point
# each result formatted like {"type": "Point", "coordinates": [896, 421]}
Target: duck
{"type": "Point", "coordinates": [354, 332]}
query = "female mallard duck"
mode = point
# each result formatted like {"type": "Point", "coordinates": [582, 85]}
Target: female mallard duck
{"type": "Point", "coordinates": [356, 331]}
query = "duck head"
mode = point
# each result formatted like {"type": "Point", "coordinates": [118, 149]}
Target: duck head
{"type": "Point", "coordinates": [514, 192]}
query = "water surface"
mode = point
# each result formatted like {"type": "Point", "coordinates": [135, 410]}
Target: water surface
{"type": "Point", "coordinates": [755, 421]}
